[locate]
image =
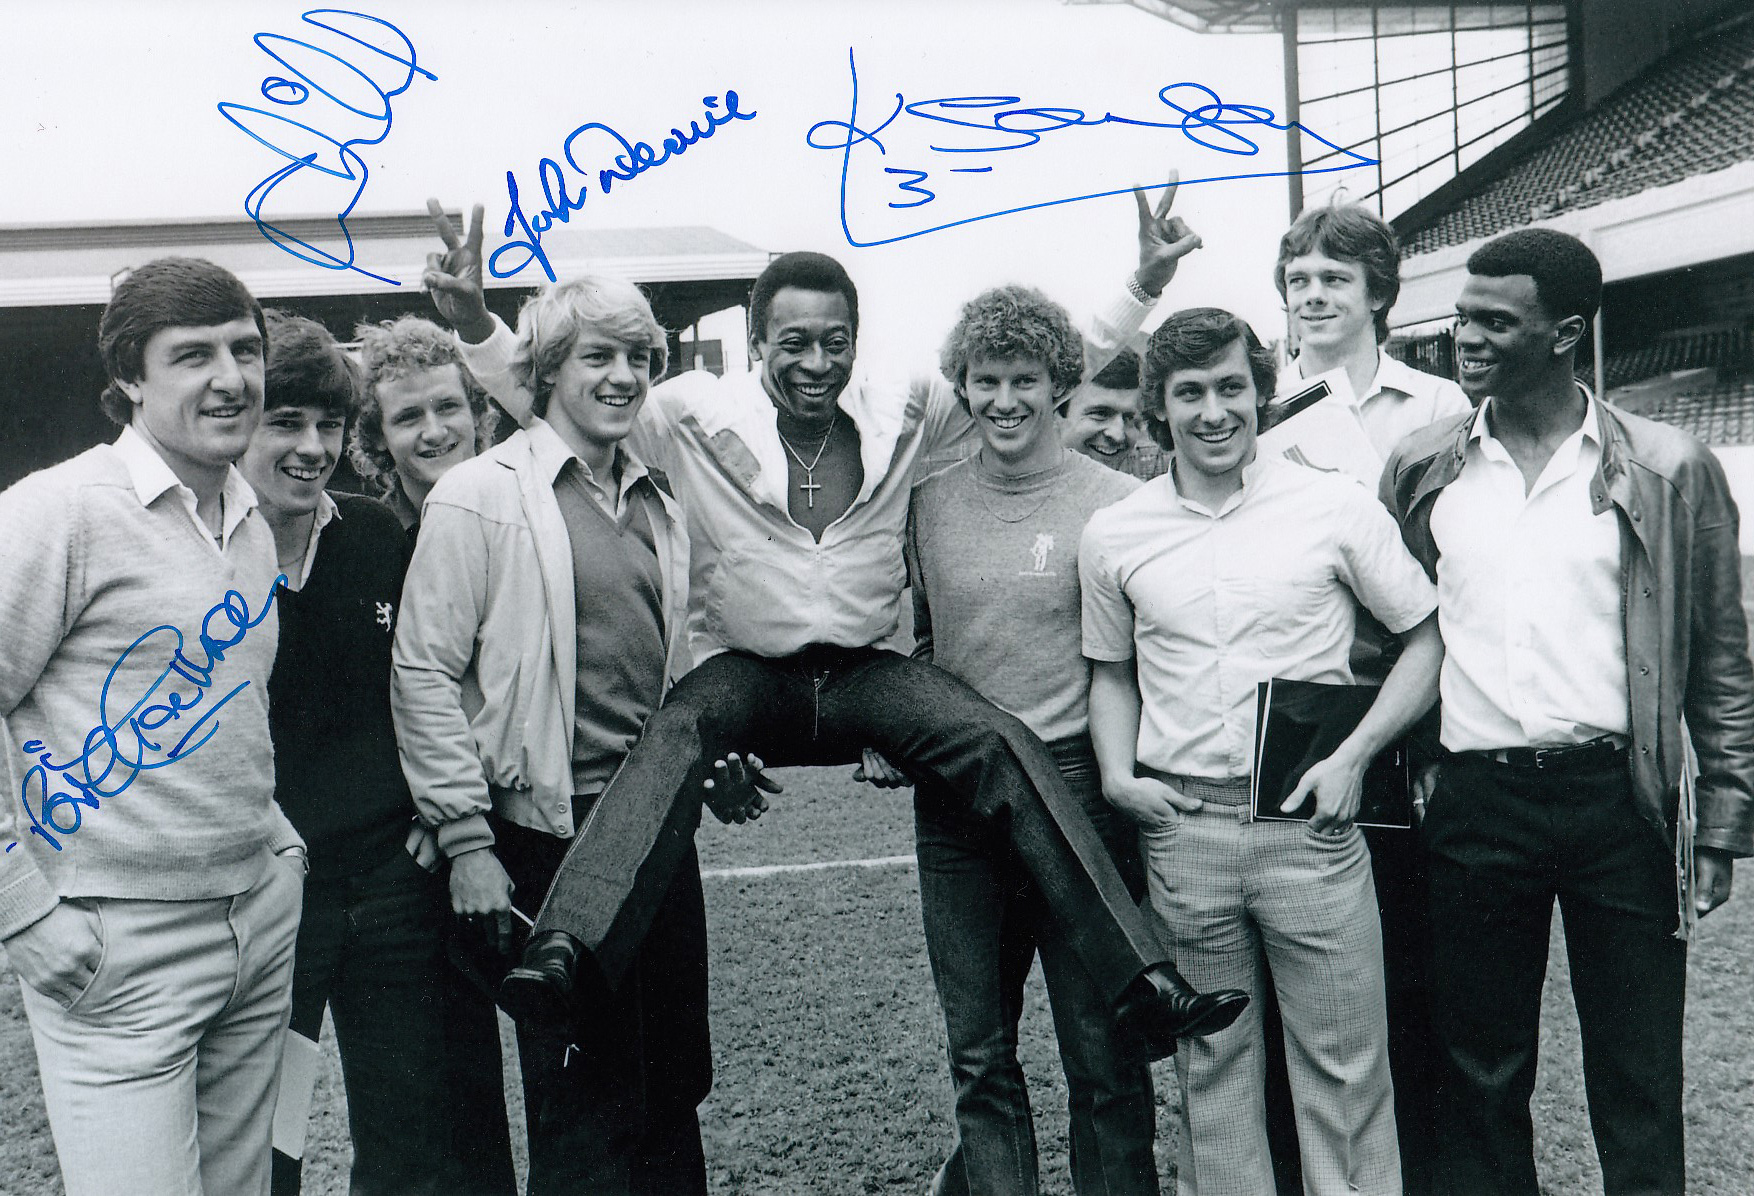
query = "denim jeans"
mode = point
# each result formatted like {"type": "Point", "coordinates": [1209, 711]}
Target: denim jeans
{"type": "Point", "coordinates": [822, 706]}
{"type": "Point", "coordinates": [369, 951]}
{"type": "Point", "coordinates": [1505, 844]}
{"type": "Point", "coordinates": [984, 922]}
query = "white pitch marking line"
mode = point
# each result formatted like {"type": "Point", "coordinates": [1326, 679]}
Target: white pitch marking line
{"type": "Point", "coordinates": [888, 861]}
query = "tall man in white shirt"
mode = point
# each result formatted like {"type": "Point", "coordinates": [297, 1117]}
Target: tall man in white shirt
{"type": "Point", "coordinates": [1339, 272]}
{"type": "Point", "coordinates": [796, 482]}
{"type": "Point", "coordinates": [1590, 598]}
{"type": "Point", "coordinates": [1231, 570]}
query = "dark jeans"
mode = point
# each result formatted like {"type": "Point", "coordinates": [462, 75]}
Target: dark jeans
{"type": "Point", "coordinates": [822, 706]}
{"type": "Point", "coordinates": [369, 950]}
{"type": "Point", "coordinates": [1505, 843]}
{"type": "Point", "coordinates": [1397, 860]}
{"type": "Point", "coordinates": [611, 1105]}
{"type": "Point", "coordinates": [984, 921]}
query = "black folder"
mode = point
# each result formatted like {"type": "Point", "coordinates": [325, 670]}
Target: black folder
{"type": "Point", "coordinates": [1299, 724]}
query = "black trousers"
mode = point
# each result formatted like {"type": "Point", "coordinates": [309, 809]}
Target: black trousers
{"type": "Point", "coordinates": [610, 1105]}
{"type": "Point", "coordinates": [1505, 843]}
{"type": "Point", "coordinates": [368, 951]}
{"type": "Point", "coordinates": [822, 706]}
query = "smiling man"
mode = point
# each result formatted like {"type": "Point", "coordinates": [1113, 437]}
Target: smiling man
{"type": "Point", "coordinates": [1339, 272]}
{"type": "Point", "coordinates": [992, 551]}
{"type": "Point", "coordinates": [1228, 571]}
{"type": "Point", "coordinates": [1589, 587]}
{"type": "Point", "coordinates": [422, 412]}
{"type": "Point", "coordinates": [368, 944]}
{"type": "Point", "coordinates": [796, 481]}
{"type": "Point", "coordinates": [1100, 418]}
{"type": "Point", "coordinates": [151, 916]}
{"type": "Point", "coordinates": [542, 622]}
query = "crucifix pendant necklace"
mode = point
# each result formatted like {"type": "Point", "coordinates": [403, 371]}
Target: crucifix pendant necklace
{"type": "Point", "coordinates": [809, 485]}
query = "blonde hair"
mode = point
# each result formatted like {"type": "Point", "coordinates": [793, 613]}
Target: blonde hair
{"type": "Point", "coordinates": [552, 319]}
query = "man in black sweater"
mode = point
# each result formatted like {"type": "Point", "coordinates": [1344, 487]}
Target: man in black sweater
{"type": "Point", "coordinates": [369, 945]}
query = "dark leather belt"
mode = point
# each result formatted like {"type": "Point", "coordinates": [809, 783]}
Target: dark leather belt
{"type": "Point", "coordinates": [1601, 752]}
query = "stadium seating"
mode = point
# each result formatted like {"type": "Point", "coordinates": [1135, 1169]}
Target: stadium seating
{"type": "Point", "coordinates": [1691, 113]}
{"type": "Point", "coordinates": [1719, 414]}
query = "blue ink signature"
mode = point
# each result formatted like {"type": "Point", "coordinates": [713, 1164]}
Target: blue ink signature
{"type": "Point", "coordinates": [1003, 123]}
{"type": "Point", "coordinates": [119, 748]}
{"type": "Point", "coordinates": [634, 160]}
{"type": "Point", "coordinates": [369, 105]}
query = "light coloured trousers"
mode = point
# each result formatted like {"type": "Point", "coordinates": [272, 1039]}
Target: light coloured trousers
{"type": "Point", "coordinates": [1236, 895]}
{"type": "Point", "coordinates": [161, 1077]}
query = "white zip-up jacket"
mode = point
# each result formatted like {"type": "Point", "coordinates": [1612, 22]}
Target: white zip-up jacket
{"type": "Point", "coordinates": [486, 652]}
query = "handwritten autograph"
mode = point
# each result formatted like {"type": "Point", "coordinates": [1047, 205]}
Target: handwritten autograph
{"type": "Point", "coordinates": [1000, 124]}
{"type": "Point", "coordinates": [634, 160]}
{"type": "Point", "coordinates": [120, 748]}
{"type": "Point", "coordinates": [357, 99]}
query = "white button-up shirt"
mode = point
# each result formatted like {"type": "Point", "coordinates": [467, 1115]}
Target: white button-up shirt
{"type": "Point", "coordinates": [1211, 603]}
{"type": "Point", "coordinates": [152, 477]}
{"type": "Point", "coordinates": [1399, 401]}
{"type": "Point", "coordinates": [758, 581]}
{"type": "Point", "coordinates": [1529, 599]}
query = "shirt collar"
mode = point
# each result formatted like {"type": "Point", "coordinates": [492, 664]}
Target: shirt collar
{"type": "Point", "coordinates": [407, 514]}
{"type": "Point", "coordinates": [1391, 375]}
{"type": "Point", "coordinates": [551, 454]}
{"type": "Point", "coordinates": [1395, 375]}
{"type": "Point", "coordinates": [1590, 429]}
{"type": "Point", "coordinates": [326, 511]}
{"type": "Point", "coordinates": [1251, 479]}
{"type": "Point", "coordinates": [152, 477]}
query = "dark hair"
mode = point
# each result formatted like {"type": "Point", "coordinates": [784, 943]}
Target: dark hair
{"type": "Point", "coordinates": [307, 368]}
{"type": "Point", "coordinates": [807, 272]}
{"type": "Point", "coordinates": [1568, 278]}
{"type": "Point", "coordinates": [1348, 233]}
{"type": "Point", "coordinates": [1122, 373]}
{"type": "Point", "coordinates": [394, 349]}
{"type": "Point", "coordinates": [167, 292]}
{"type": "Point", "coordinates": [1193, 339]}
{"type": "Point", "coordinates": [1011, 324]}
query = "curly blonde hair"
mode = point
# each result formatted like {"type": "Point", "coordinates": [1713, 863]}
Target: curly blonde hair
{"type": "Point", "coordinates": [391, 350]}
{"type": "Point", "coordinates": [1014, 323]}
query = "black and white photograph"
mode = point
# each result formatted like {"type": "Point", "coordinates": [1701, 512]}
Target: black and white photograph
{"type": "Point", "coordinates": [950, 597]}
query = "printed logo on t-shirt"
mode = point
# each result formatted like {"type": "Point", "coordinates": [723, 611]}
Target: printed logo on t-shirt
{"type": "Point", "coordinates": [1038, 556]}
{"type": "Point", "coordinates": [384, 615]}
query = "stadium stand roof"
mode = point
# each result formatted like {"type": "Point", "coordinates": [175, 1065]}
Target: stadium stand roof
{"type": "Point", "coordinates": [65, 264]}
{"type": "Point", "coordinates": [1688, 114]}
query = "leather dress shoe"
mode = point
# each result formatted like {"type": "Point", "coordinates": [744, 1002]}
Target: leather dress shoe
{"type": "Point", "coordinates": [1166, 1008]}
{"type": "Point", "coordinates": [539, 990]}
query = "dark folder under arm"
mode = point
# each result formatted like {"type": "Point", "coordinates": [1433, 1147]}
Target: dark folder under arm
{"type": "Point", "coordinates": [1300, 723]}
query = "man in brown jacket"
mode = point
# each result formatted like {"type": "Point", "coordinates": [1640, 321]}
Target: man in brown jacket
{"type": "Point", "coordinates": [1589, 596]}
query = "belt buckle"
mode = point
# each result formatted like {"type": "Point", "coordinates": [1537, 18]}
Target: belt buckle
{"type": "Point", "coordinates": [1542, 756]}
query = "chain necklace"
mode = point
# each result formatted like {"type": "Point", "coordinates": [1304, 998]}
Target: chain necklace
{"type": "Point", "coordinates": [809, 485]}
{"type": "Point", "coordinates": [982, 485]}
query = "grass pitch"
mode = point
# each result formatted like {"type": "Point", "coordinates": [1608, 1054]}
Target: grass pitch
{"type": "Point", "coordinates": [829, 1046]}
